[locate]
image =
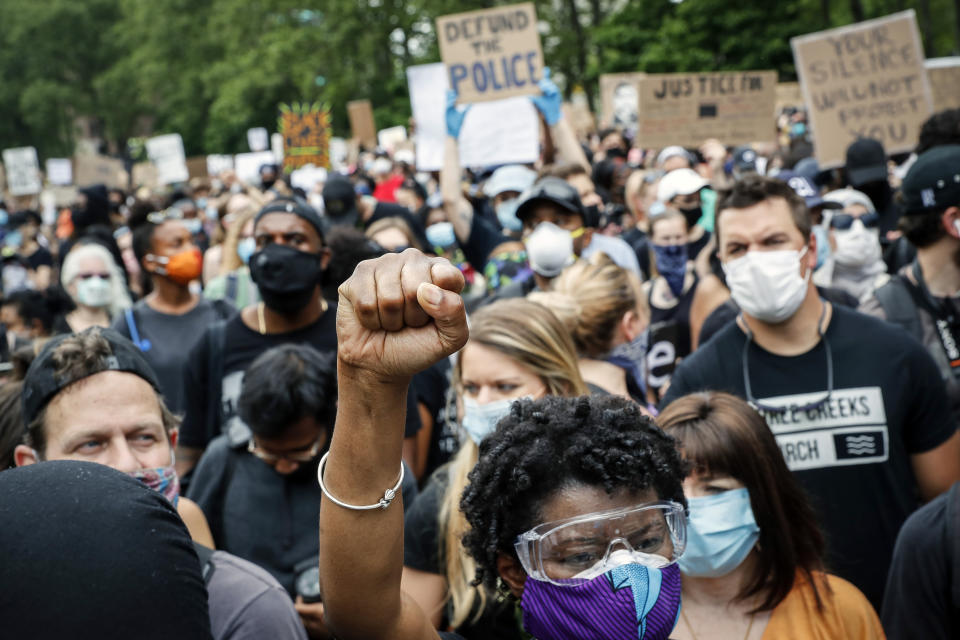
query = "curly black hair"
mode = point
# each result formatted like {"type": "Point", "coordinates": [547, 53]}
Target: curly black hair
{"type": "Point", "coordinates": [544, 445]}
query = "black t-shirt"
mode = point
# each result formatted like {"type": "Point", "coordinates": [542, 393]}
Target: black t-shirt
{"type": "Point", "coordinates": [39, 258]}
{"type": "Point", "coordinates": [923, 589]}
{"type": "Point", "coordinates": [430, 387]}
{"type": "Point", "coordinates": [421, 551]}
{"type": "Point", "coordinates": [242, 346]}
{"type": "Point", "coordinates": [851, 454]}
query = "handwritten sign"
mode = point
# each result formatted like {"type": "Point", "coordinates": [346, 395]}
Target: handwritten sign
{"type": "Point", "coordinates": [59, 171]}
{"type": "Point", "coordinates": [735, 107]}
{"type": "Point", "coordinates": [306, 135]}
{"type": "Point", "coordinates": [865, 80]}
{"type": "Point", "coordinates": [620, 99]}
{"type": "Point", "coordinates": [247, 165]}
{"type": "Point", "coordinates": [391, 137]}
{"type": "Point", "coordinates": [944, 76]}
{"type": "Point", "coordinates": [492, 54]}
{"type": "Point", "coordinates": [788, 95]}
{"type": "Point", "coordinates": [23, 171]}
{"type": "Point", "coordinates": [166, 152]}
{"type": "Point", "coordinates": [498, 132]}
{"type": "Point", "coordinates": [362, 127]}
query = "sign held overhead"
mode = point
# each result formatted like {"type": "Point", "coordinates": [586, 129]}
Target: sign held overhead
{"type": "Point", "coordinates": [492, 54]}
{"type": "Point", "coordinates": [735, 107]}
{"type": "Point", "coordinates": [23, 171]}
{"type": "Point", "coordinates": [864, 81]}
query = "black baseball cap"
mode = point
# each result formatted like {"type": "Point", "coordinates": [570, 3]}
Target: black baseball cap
{"type": "Point", "coordinates": [297, 206]}
{"type": "Point", "coordinates": [41, 383]}
{"type": "Point", "coordinates": [933, 182]}
{"type": "Point", "coordinates": [550, 190]}
{"type": "Point", "coordinates": [340, 201]}
{"type": "Point", "coordinates": [866, 162]}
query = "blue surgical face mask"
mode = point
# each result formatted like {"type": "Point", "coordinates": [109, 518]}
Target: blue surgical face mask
{"type": "Point", "coordinates": [246, 248]}
{"type": "Point", "coordinates": [823, 244]}
{"type": "Point", "coordinates": [14, 239]}
{"type": "Point", "coordinates": [194, 225]}
{"type": "Point", "coordinates": [440, 235]}
{"type": "Point", "coordinates": [721, 532]}
{"type": "Point", "coordinates": [507, 215]}
{"type": "Point", "coordinates": [480, 420]}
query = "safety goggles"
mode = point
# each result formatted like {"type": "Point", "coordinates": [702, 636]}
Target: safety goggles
{"type": "Point", "coordinates": [573, 551]}
{"type": "Point", "coordinates": [843, 221]}
{"type": "Point", "coordinates": [305, 455]}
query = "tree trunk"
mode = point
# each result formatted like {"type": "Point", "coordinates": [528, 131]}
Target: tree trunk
{"type": "Point", "coordinates": [825, 13]}
{"type": "Point", "coordinates": [926, 27]}
{"type": "Point", "coordinates": [581, 47]}
{"type": "Point", "coordinates": [856, 9]}
{"type": "Point", "coordinates": [956, 26]}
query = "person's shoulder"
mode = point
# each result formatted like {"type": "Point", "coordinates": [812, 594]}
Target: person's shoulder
{"type": "Point", "coordinates": [219, 449]}
{"type": "Point", "coordinates": [853, 613]}
{"type": "Point", "coordinates": [238, 571]}
{"type": "Point", "coordinates": [870, 328]}
{"type": "Point", "coordinates": [926, 524]}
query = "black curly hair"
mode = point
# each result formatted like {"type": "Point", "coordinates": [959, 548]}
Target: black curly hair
{"type": "Point", "coordinates": [544, 445]}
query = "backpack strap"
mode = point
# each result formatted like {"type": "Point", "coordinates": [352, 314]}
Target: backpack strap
{"type": "Point", "coordinates": [143, 345]}
{"type": "Point", "coordinates": [231, 292]}
{"type": "Point", "coordinates": [205, 554]}
{"type": "Point", "coordinates": [216, 345]}
{"type": "Point", "coordinates": [900, 306]}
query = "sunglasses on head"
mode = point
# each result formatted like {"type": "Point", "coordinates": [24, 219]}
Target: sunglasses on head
{"type": "Point", "coordinates": [844, 221]}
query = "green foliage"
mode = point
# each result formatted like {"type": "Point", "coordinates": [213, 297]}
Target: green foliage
{"type": "Point", "coordinates": [211, 69]}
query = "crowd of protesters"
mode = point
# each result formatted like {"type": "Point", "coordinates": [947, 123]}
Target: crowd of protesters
{"type": "Point", "coordinates": [620, 392]}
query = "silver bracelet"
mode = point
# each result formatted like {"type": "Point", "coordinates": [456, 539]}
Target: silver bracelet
{"type": "Point", "coordinates": [384, 502]}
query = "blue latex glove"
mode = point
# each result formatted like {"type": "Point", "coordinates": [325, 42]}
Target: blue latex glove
{"type": "Point", "coordinates": [455, 114]}
{"type": "Point", "coordinates": [549, 101]}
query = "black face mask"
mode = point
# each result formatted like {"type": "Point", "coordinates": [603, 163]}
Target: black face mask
{"type": "Point", "coordinates": [692, 215]}
{"type": "Point", "coordinates": [286, 277]}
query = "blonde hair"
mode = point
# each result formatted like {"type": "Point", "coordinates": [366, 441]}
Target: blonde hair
{"type": "Point", "coordinates": [533, 336]}
{"type": "Point", "coordinates": [593, 296]}
{"type": "Point", "coordinates": [119, 298]}
{"type": "Point", "coordinates": [229, 260]}
{"type": "Point", "coordinates": [394, 222]}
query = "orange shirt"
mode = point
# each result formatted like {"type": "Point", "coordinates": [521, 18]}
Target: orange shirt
{"type": "Point", "coordinates": [846, 613]}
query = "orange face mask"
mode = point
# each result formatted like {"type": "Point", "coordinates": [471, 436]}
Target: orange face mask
{"type": "Point", "coordinates": [183, 268]}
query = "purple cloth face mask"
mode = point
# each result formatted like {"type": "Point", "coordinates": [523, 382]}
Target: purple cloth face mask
{"type": "Point", "coordinates": [629, 602]}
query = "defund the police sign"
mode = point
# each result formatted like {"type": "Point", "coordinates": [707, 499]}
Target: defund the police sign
{"type": "Point", "coordinates": [493, 53]}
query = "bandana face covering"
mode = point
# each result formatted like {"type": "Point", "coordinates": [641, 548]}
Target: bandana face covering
{"type": "Point", "coordinates": [163, 480]}
{"type": "Point", "coordinates": [629, 602]}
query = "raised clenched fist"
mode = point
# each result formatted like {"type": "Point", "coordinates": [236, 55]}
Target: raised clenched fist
{"type": "Point", "coordinates": [399, 314]}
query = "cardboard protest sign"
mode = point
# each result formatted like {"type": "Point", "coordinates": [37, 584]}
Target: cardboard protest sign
{"type": "Point", "coordinates": [735, 107]}
{"type": "Point", "coordinates": [23, 171]}
{"type": "Point", "coordinates": [788, 95]}
{"type": "Point", "coordinates": [258, 139]}
{"type": "Point", "coordinates": [91, 169]}
{"type": "Point", "coordinates": [218, 163]}
{"type": "Point", "coordinates": [145, 175]}
{"type": "Point", "coordinates": [338, 153]}
{"type": "Point", "coordinates": [276, 147]}
{"type": "Point", "coordinates": [362, 127]}
{"type": "Point", "coordinates": [493, 133]}
{"type": "Point", "coordinates": [59, 171]}
{"type": "Point", "coordinates": [391, 137]}
{"type": "Point", "coordinates": [944, 76]}
{"type": "Point", "coordinates": [197, 166]}
{"type": "Point", "coordinates": [864, 80]}
{"type": "Point", "coordinates": [492, 54]}
{"type": "Point", "coordinates": [620, 99]}
{"type": "Point", "coordinates": [166, 152]}
{"type": "Point", "coordinates": [306, 135]}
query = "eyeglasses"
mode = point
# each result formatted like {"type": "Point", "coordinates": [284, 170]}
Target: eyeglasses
{"type": "Point", "coordinates": [572, 551]}
{"type": "Point", "coordinates": [295, 456]}
{"type": "Point", "coordinates": [844, 221]}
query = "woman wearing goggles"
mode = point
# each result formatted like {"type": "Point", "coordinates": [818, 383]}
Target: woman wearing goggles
{"type": "Point", "coordinates": [753, 564]}
{"type": "Point", "coordinates": [590, 488]}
